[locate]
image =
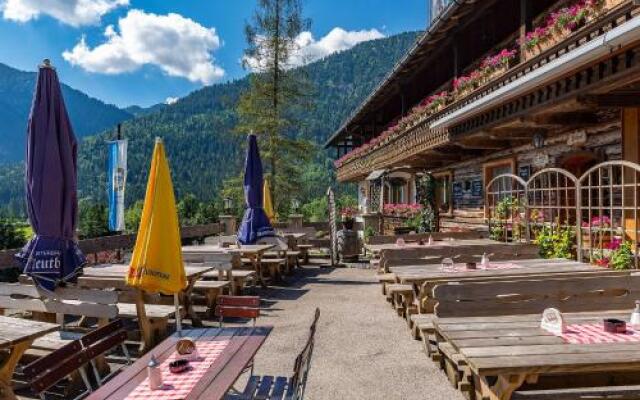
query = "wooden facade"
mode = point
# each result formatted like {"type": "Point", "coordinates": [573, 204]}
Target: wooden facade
{"type": "Point", "coordinates": [575, 104]}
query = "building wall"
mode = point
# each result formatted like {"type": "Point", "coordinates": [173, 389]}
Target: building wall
{"type": "Point", "coordinates": [602, 142]}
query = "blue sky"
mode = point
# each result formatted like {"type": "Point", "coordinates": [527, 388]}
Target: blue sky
{"type": "Point", "coordinates": [158, 49]}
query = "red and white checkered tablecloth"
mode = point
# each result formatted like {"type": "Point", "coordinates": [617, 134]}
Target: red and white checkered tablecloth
{"type": "Point", "coordinates": [178, 386]}
{"type": "Point", "coordinates": [479, 267]}
{"type": "Point", "coordinates": [595, 334]}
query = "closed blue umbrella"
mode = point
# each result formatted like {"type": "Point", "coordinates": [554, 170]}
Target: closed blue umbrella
{"type": "Point", "coordinates": [52, 256]}
{"type": "Point", "coordinates": [255, 224]}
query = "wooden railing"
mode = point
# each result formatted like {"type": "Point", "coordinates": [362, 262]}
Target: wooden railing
{"type": "Point", "coordinates": [118, 242]}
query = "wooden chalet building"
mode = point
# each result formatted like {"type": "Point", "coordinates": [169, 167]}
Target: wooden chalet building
{"type": "Point", "coordinates": [495, 87]}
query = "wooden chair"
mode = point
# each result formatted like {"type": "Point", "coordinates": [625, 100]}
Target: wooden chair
{"type": "Point", "coordinates": [268, 387]}
{"type": "Point", "coordinates": [238, 307]}
{"type": "Point", "coordinates": [74, 356]}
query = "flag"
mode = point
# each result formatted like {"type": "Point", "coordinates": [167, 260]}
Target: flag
{"type": "Point", "coordinates": [116, 182]}
{"type": "Point", "coordinates": [156, 264]}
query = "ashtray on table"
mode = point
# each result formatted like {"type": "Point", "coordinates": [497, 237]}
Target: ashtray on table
{"type": "Point", "coordinates": [179, 366]}
{"type": "Point", "coordinates": [614, 325]}
{"type": "Point", "coordinates": [471, 265]}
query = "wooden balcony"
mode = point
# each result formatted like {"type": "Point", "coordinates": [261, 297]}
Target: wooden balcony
{"type": "Point", "coordinates": [556, 103]}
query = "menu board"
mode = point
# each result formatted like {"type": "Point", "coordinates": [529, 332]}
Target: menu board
{"type": "Point", "coordinates": [524, 172]}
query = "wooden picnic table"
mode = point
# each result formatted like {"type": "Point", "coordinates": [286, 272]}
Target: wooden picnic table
{"type": "Point", "coordinates": [17, 335]}
{"type": "Point", "coordinates": [243, 344]}
{"type": "Point", "coordinates": [418, 274]}
{"type": "Point", "coordinates": [377, 248]}
{"type": "Point", "coordinates": [253, 252]}
{"type": "Point", "coordinates": [516, 350]}
{"type": "Point", "coordinates": [114, 274]}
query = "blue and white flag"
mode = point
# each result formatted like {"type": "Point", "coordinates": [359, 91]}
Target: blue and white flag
{"type": "Point", "coordinates": [116, 182]}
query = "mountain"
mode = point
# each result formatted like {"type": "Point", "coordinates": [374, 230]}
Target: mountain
{"type": "Point", "coordinates": [198, 130]}
{"type": "Point", "coordinates": [138, 111]}
{"type": "Point", "coordinates": [89, 115]}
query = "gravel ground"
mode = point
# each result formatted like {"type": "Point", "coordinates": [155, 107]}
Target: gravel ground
{"type": "Point", "coordinates": [363, 350]}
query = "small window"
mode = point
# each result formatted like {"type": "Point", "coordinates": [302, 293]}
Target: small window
{"type": "Point", "coordinates": [500, 167]}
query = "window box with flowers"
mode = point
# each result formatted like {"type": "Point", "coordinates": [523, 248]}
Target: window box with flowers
{"type": "Point", "coordinates": [348, 217]}
{"type": "Point", "coordinates": [618, 255]}
{"type": "Point", "coordinates": [597, 232]}
{"type": "Point", "coordinates": [560, 24]}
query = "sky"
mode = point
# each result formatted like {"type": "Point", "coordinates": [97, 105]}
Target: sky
{"type": "Point", "coordinates": [144, 52]}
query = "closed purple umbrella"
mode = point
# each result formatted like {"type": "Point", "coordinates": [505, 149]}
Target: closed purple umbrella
{"type": "Point", "coordinates": [255, 224]}
{"type": "Point", "coordinates": [52, 256]}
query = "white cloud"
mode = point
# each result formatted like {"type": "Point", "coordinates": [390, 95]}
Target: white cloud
{"type": "Point", "coordinates": [70, 12]}
{"type": "Point", "coordinates": [177, 45]}
{"type": "Point", "coordinates": [171, 100]}
{"type": "Point", "coordinates": [307, 49]}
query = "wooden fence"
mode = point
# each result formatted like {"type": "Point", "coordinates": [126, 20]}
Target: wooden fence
{"type": "Point", "coordinates": [118, 242]}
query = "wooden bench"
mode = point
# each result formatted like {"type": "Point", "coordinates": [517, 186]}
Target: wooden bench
{"type": "Point", "coordinates": [212, 290]}
{"type": "Point", "coordinates": [384, 239]}
{"type": "Point", "coordinates": [525, 297]}
{"type": "Point", "coordinates": [73, 356]}
{"type": "Point", "coordinates": [238, 307]}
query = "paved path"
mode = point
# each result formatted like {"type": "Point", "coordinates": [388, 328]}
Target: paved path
{"type": "Point", "coordinates": [363, 350]}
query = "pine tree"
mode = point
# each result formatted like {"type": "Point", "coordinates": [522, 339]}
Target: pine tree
{"type": "Point", "coordinates": [275, 91]}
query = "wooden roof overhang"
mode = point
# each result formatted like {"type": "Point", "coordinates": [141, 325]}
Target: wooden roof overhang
{"type": "Point", "coordinates": [578, 99]}
{"type": "Point", "coordinates": [460, 37]}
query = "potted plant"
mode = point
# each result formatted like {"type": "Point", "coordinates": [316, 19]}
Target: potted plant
{"type": "Point", "coordinates": [347, 216]}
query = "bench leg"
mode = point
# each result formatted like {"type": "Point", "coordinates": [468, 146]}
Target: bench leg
{"type": "Point", "coordinates": [502, 389]}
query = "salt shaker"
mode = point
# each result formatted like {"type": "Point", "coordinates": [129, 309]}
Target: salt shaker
{"type": "Point", "coordinates": [485, 260]}
{"type": "Point", "coordinates": [635, 316]}
{"type": "Point", "coordinates": [430, 240]}
{"type": "Point", "coordinates": [154, 373]}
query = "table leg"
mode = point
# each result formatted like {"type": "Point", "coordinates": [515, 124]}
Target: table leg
{"type": "Point", "coordinates": [196, 322]}
{"type": "Point", "coordinates": [503, 388]}
{"type": "Point", "coordinates": [257, 265]}
{"type": "Point", "coordinates": [8, 367]}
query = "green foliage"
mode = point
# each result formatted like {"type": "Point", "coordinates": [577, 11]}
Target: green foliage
{"type": "Point", "coordinates": [507, 207]}
{"type": "Point", "coordinates": [93, 219]}
{"type": "Point", "coordinates": [368, 233]}
{"type": "Point", "coordinates": [204, 153]}
{"type": "Point", "coordinates": [622, 257]}
{"type": "Point", "coordinates": [428, 218]}
{"type": "Point", "coordinates": [316, 210]}
{"type": "Point", "coordinates": [89, 115]}
{"type": "Point", "coordinates": [11, 235]}
{"type": "Point", "coordinates": [192, 212]}
{"type": "Point", "coordinates": [556, 243]}
{"type": "Point", "coordinates": [132, 216]}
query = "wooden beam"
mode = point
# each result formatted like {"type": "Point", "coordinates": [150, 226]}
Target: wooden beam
{"type": "Point", "coordinates": [619, 100]}
{"type": "Point", "coordinates": [564, 119]}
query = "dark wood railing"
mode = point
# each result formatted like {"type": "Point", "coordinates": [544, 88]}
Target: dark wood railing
{"type": "Point", "coordinates": [118, 242]}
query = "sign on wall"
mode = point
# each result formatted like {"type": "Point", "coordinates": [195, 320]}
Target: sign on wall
{"type": "Point", "coordinates": [476, 188]}
{"type": "Point", "coordinates": [524, 172]}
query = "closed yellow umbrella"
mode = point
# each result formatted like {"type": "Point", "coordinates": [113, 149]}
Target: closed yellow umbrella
{"type": "Point", "coordinates": [156, 264]}
{"type": "Point", "coordinates": [268, 204]}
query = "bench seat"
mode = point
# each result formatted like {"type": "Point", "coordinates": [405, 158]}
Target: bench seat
{"type": "Point", "coordinates": [156, 311]}
{"type": "Point", "coordinates": [211, 289]}
{"type": "Point", "coordinates": [55, 340]}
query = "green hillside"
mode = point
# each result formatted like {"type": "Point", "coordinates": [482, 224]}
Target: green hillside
{"type": "Point", "coordinates": [203, 150]}
{"type": "Point", "coordinates": [89, 115]}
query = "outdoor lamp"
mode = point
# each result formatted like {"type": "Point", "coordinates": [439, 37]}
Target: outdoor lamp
{"type": "Point", "coordinates": [228, 204]}
{"type": "Point", "coordinates": [295, 205]}
{"type": "Point", "coordinates": [538, 140]}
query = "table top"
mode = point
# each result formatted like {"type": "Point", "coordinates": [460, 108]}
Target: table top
{"type": "Point", "coordinates": [374, 248]}
{"type": "Point", "coordinates": [244, 343]}
{"type": "Point", "coordinates": [420, 273]}
{"type": "Point", "coordinates": [295, 235]}
{"type": "Point", "coordinates": [121, 271]}
{"type": "Point", "coordinates": [17, 330]}
{"type": "Point", "coordinates": [244, 249]}
{"type": "Point", "coordinates": [516, 344]}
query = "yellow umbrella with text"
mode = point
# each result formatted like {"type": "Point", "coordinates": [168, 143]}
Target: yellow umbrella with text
{"type": "Point", "coordinates": [156, 264]}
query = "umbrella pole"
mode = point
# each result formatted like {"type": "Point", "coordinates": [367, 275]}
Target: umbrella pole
{"type": "Point", "coordinates": [178, 315]}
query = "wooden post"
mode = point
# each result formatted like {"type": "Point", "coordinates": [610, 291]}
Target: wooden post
{"type": "Point", "coordinates": [526, 20]}
{"type": "Point", "coordinates": [630, 152]}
